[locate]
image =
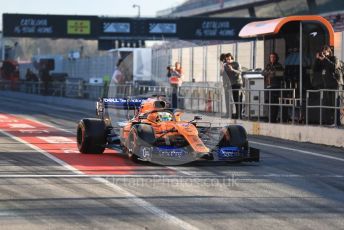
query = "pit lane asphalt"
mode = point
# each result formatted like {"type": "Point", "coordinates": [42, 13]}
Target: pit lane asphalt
{"type": "Point", "coordinates": [288, 189]}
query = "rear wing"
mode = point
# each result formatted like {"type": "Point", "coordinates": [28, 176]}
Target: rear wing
{"type": "Point", "coordinates": [121, 103]}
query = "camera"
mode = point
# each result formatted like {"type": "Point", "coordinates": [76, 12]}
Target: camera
{"type": "Point", "coordinates": [321, 54]}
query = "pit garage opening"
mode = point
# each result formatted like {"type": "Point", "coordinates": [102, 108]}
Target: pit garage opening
{"type": "Point", "coordinates": [296, 39]}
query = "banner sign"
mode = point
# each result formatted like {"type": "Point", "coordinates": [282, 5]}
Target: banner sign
{"type": "Point", "coordinates": [51, 26]}
{"type": "Point", "coordinates": [107, 28]}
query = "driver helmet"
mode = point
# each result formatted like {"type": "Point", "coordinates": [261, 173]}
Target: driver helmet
{"type": "Point", "coordinates": [165, 116]}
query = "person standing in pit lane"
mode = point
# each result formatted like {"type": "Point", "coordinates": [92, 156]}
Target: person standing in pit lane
{"type": "Point", "coordinates": [273, 74]}
{"type": "Point", "coordinates": [233, 72]}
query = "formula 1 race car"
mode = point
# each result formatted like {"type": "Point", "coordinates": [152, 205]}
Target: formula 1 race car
{"type": "Point", "coordinates": [157, 134]}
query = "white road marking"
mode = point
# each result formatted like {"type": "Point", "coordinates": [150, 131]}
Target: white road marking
{"type": "Point", "coordinates": [32, 131]}
{"type": "Point", "coordinates": [48, 125]}
{"type": "Point", "coordinates": [7, 213]}
{"type": "Point", "coordinates": [149, 207]}
{"type": "Point", "coordinates": [64, 164]}
{"type": "Point", "coordinates": [140, 202]}
{"type": "Point", "coordinates": [147, 176]}
{"type": "Point", "coordinates": [300, 151]}
{"type": "Point", "coordinates": [21, 126]}
{"type": "Point", "coordinates": [57, 140]}
{"type": "Point", "coordinates": [178, 170]}
{"type": "Point", "coordinates": [70, 151]}
{"type": "Point", "coordinates": [8, 120]}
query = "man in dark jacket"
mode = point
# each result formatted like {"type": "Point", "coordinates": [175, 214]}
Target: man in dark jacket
{"type": "Point", "coordinates": [329, 66]}
{"type": "Point", "coordinates": [327, 63]}
{"type": "Point", "coordinates": [232, 70]}
{"type": "Point", "coordinates": [273, 76]}
{"type": "Point", "coordinates": [226, 84]}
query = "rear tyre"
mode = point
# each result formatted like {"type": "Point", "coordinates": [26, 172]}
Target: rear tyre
{"type": "Point", "coordinates": [91, 136]}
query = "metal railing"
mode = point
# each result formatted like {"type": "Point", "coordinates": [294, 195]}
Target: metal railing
{"type": "Point", "coordinates": [327, 107]}
{"type": "Point", "coordinates": [259, 105]}
{"type": "Point", "coordinates": [254, 105]}
{"type": "Point", "coordinates": [200, 99]}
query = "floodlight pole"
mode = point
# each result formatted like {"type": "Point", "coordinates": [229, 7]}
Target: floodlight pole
{"type": "Point", "coordinates": [139, 9]}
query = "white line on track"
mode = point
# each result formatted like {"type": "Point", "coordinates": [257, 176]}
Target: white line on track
{"type": "Point", "coordinates": [110, 176]}
{"type": "Point", "coordinates": [64, 164]}
{"type": "Point", "coordinates": [300, 151]}
{"type": "Point", "coordinates": [48, 125]}
{"type": "Point", "coordinates": [140, 202]}
{"type": "Point", "coordinates": [186, 173]}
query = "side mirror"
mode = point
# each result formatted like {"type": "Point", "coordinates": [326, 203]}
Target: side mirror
{"type": "Point", "coordinates": [197, 118]}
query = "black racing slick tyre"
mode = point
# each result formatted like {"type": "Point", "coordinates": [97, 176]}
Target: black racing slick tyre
{"type": "Point", "coordinates": [238, 136]}
{"type": "Point", "coordinates": [91, 136]}
{"type": "Point", "coordinates": [235, 136]}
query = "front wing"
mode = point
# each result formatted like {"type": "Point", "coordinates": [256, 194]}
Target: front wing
{"type": "Point", "coordinates": [229, 154]}
{"type": "Point", "coordinates": [236, 154]}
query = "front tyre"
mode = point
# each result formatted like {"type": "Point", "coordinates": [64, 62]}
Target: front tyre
{"type": "Point", "coordinates": [141, 136]}
{"type": "Point", "coordinates": [235, 135]}
{"type": "Point", "coordinates": [91, 136]}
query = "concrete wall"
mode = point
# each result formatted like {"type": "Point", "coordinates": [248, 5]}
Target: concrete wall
{"type": "Point", "coordinates": [330, 136]}
{"type": "Point", "coordinates": [312, 134]}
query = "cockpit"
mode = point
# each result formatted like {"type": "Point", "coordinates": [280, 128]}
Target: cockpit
{"type": "Point", "coordinates": [160, 116]}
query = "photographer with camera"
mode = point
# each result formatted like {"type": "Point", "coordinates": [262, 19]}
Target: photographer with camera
{"type": "Point", "coordinates": [226, 85]}
{"type": "Point", "coordinates": [327, 75]}
{"type": "Point", "coordinates": [327, 64]}
{"type": "Point", "coordinates": [232, 81]}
